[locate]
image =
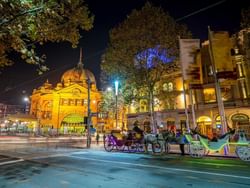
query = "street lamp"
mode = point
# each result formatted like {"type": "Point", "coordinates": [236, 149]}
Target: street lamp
{"type": "Point", "coordinates": [116, 105]}
{"type": "Point", "coordinates": [89, 115]}
{"type": "Point", "coordinates": [26, 100]}
{"type": "Point", "coordinates": [109, 89]}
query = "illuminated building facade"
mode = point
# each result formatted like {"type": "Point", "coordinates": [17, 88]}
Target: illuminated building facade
{"type": "Point", "coordinates": [64, 109]}
{"type": "Point", "coordinates": [203, 111]}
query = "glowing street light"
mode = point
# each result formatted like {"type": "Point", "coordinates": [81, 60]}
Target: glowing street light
{"type": "Point", "coordinates": [116, 97]}
{"type": "Point", "coordinates": [26, 100]}
{"type": "Point", "coordinates": [89, 115]}
{"type": "Point", "coordinates": [109, 89]}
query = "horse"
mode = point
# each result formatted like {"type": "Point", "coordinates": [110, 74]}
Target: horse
{"type": "Point", "coordinates": [156, 141]}
{"type": "Point", "coordinates": [169, 137]}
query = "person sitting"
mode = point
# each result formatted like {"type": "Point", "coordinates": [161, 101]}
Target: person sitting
{"type": "Point", "coordinates": [201, 135]}
{"type": "Point", "coordinates": [138, 131]}
{"type": "Point", "coordinates": [214, 139]}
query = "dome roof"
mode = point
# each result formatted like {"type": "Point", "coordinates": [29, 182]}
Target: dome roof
{"type": "Point", "coordinates": [78, 74]}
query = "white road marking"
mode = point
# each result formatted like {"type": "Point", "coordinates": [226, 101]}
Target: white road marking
{"type": "Point", "coordinates": [165, 168]}
{"type": "Point", "coordinates": [51, 156]}
{"type": "Point", "coordinates": [11, 162]}
{"type": "Point", "coordinates": [79, 152]}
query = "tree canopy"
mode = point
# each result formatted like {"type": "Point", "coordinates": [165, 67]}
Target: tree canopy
{"type": "Point", "coordinates": [143, 48]}
{"type": "Point", "coordinates": [140, 40]}
{"type": "Point", "coordinates": [25, 23]}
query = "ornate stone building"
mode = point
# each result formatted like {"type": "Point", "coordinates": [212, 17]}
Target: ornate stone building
{"type": "Point", "coordinates": [64, 108]}
{"type": "Point", "coordinates": [203, 113]}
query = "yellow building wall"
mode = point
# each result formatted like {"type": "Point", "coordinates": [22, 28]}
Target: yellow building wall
{"type": "Point", "coordinates": [47, 105]}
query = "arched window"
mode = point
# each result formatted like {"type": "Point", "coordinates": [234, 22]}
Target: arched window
{"type": "Point", "coordinates": [165, 87]}
{"type": "Point", "coordinates": [168, 86]}
{"type": "Point", "coordinates": [46, 111]}
{"type": "Point", "coordinates": [241, 118]}
{"type": "Point", "coordinates": [241, 122]}
{"type": "Point", "coordinates": [143, 106]}
{"type": "Point", "coordinates": [204, 124]}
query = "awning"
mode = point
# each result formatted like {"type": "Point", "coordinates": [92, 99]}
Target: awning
{"type": "Point", "coordinates": [21, 117]}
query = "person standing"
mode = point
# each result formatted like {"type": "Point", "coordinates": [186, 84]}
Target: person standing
{"type": "Point", "coordinates": [97, 138]}
{"type": "Point", "coordinates": [182, 142]}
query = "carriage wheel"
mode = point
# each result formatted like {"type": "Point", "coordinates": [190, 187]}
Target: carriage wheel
{"type": "Point", "coordinates": [132, 147]}
{"type": "Point", "coordinates": [243, 152]}
{"type": "Point", "coordinates": [120, 147]}
{"type": "Point", "coordinates": [108, 145]}
{"type": "Point", "coordinates": [197, 150]}
{"type": "Point", "coordinates": [156, 147]}
{"type": "Point", "coordinates": [140, 147]}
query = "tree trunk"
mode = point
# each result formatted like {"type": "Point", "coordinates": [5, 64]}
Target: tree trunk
{"type": "Point", "coordinates": [152, 114]}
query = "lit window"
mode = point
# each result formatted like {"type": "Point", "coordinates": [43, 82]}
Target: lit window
{"type": "Point", "coordinates": [102, 115]}
{"type": "Point", "coordinates": [65, 102]}
{"type": "Point", "coordinates": [156, 91]}
{"type": "Point", "coordinates": [72, 102]}
{"type": "Point", "coordinates": [209, 95]}
{"type": "Point", "coordinates": [85, 101]}
{"type": "Point", "coordinates": [168, 86]}
{"type": "Point", "coordinates": [143, 106]}
{"type": "Point", "coordinates": [165, 87]}
{"type": "Point", "coordinates": [78, 102]}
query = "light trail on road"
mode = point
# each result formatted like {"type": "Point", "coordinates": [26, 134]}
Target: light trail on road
{"type": "Point", "coordinates": [11, 162]}
{"type": "Point", "coordinates": [165, 168]}
{"type": "Point", "coordinates": [95, 168]}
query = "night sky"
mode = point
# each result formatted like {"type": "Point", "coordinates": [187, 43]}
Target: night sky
{"type": "Point", "coordinates": [20, 79]}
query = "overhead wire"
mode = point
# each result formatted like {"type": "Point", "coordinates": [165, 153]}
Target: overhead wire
{"type": "Point", "coordinates": [200, 10]}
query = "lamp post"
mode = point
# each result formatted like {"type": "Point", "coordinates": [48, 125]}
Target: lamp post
{"type": "Point", "coordinates": [116, 102]}
{"type": "Point", "coordinates": [89, 115]}
{"type": "Point", "coordinates": [26, 100]}
{"type": "Point", "coordinates": [58, 116]}
{"type": "Point", "coordinates": [38, 119]}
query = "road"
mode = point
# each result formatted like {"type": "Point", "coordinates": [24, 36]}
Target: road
{"type": "Point", "coordinates": [94, 168]}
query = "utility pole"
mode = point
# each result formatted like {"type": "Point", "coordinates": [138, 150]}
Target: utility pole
{"type": "Point", "coordinates": [185, 104]}
{"type": "Point", "coordinates": [89, 115]}
{"type": "Point", "coordinates": [116, 102]}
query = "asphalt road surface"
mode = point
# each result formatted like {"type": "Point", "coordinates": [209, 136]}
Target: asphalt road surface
{"type": "Point", "coordinates": [80, 168]}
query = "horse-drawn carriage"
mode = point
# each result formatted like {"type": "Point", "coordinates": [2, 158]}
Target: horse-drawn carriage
{"type": "Point", "coordinates": [124, 141]}
{"type": "Point", "coordinates": [199, 145]}
{"type": "Point", "coordinates": [132, 141]}
{"type": "Point", "coordinates": [202, 146]}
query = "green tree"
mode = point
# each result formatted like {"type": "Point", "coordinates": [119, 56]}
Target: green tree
{"type": "Point", "coordinates": [137, 47]}
{"type": "Point", "coordinates": [25, 23]}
